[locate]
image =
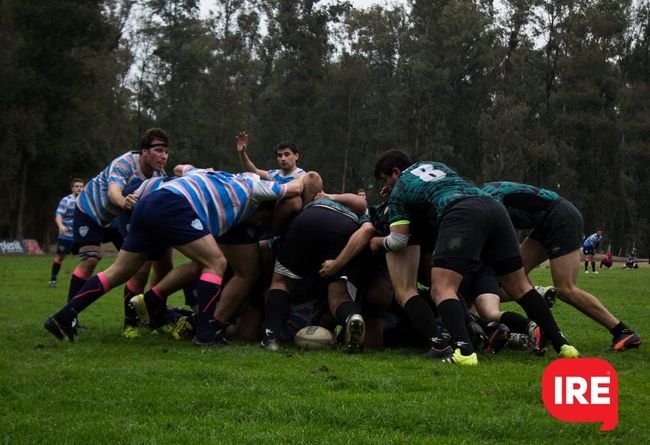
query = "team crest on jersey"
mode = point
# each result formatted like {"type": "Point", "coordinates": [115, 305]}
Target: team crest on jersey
{"type": "Point", "coordinates": [197, 224]}
{"type": "Point", "coordinates": [83, 230]}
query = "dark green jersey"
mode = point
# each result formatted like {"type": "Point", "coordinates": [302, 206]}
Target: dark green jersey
{"type": "Point", "coordinates": [337, 206]}
{"type": "Point", "coordinates": [379, 218]}
{"type": "Point", "coordinates": [427, 182]}
{"type": "Point", "coordinates": [526, 205]}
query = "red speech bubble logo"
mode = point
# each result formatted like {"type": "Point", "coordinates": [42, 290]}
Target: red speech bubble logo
{"type": "Point", "coordinates": [581, 390]}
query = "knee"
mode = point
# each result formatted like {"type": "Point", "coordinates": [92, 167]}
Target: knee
{"type": "Point", "coordinates": [88, 264]}
{"type": "Point", "coordinates": [567, 292]}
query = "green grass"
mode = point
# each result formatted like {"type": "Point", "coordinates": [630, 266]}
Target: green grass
{"type": "Point", "coordinates": [106, 389]}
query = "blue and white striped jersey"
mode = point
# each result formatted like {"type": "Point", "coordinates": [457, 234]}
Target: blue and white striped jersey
{"type": "Point", "coordinates": [277, 175]}
{"type": "Point", "coordinates": [221, 199]}
{"type": "Point", "coordinates": [93, 199]}
{"type": "Point", "coordinates": [66, 211]}
{"type": "Point", "coordinates": [592, 240]}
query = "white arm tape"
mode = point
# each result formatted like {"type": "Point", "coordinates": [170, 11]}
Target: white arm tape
{"type": "Point", "coordinates": [396, 241]}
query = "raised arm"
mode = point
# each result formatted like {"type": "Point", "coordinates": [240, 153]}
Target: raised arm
{"type": "Point", "coordinates": [246, 163]}
{"type": "Point", "coordinates": [352, 201]}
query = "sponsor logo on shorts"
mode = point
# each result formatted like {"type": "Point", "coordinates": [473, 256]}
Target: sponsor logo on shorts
{"type": "Point", "coordinates": [197, 224]}
{"type": "Point", "coordinates": [83, 230]}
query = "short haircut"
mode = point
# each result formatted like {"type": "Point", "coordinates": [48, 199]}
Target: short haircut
{"type": "Point", "coordinates": [76, 180]}
{"type": "Point", "coordinates": [392, 159]}
{"type": "Point", "coordinates": [361, 191]}
{"type": "Point", "coordinates": [287, 144]}
{"type": "Point", "coordinates": [151, 134]}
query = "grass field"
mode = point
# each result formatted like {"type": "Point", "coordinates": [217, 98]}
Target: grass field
{"type": "Point", "coordinates": [106, 389]}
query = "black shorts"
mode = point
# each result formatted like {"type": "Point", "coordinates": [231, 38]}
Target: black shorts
{"type": "Point", "coordinates": [63, 246]}
{"type": "Point", "coordinates": [242, 233]}
{"type": "Point", "coordinates": [87, 232]}
{"type": "Point", "coordinates": [477, 283]}
{"type": "Point", "coordinates": [561, 231]}
{"type": "Point", "coordinates": [317, 234]}
{"type": "Point", "coordinates": [473, 231]}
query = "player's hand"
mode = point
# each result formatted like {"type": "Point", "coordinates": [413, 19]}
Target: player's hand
{"type": "Point", "coordinates": [62, 230]}
{"type": "Point", "coordinates": [242, 142]}
{"type": "Point", "coordinates": [129, 202]}
{"type": "Point", "coordinates": [321, 195]}
{"type": "Point", "coordinates": [384, 192]}
{"type": "Point", "coordinates": [329, 268]}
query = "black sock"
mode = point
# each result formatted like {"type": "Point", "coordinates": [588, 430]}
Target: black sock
{"type": "Point", "coordinates": [618, 329]}
{"type": "Point", "coordinates": [515, 322]}
{"type": "Point", "coordinates": [130, 315]}
{"type": "Point", "coordinates": [276, 306]}
{"type": "Point", "coordinates": [92, 290]}
{"type": "Point", "coordinates": [453, 316]}
{"type": "Point", "coordinates": [344, 310]}
{"type": "Point", "coordinates": [208, 290]}
{"type": "Point", "coordinates": [421, 316]}
{"type": "Point", "coordinates": [537, 310]}
{"type": "Point", "coordinates": [190, 294]}
{"type": "Point", "coordinates": [153, 301]}
{"type": "Point", "coordinates": [586, 266]}
{"type": "Point", "coordinates": [76, 283]}
{"type": "Point", "coordinates": [593, 266]}
{"type": "Point", "coordinates": [55, 271]}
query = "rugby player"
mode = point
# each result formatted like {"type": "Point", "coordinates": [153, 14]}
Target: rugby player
{"type": "Point", "coordinates": [186, 213]}
{"type": "Point", "coordinates": [589, 246]}
{"type": "Point", "coordinates": [472, 227]}
{"type": "Point", "coordinates": [556, 232]}
{"type": "Point", "coordinates": [63, 219]}
{"type": "Point", "coordinates": [101, 201]}
{"type": "Point", "coordinates": [318, 233]}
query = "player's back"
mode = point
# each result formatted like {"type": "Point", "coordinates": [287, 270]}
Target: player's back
{"type": "Point", "coordinates": [527, 205]}
{"type": "Point", "coordinates": [430, 182]}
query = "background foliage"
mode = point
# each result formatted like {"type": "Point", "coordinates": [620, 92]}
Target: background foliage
{"type": "Point", "coordinates": [549, 92]}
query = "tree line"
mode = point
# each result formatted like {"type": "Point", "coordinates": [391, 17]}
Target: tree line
{"type": "Point", "coordinates": [554, 93]}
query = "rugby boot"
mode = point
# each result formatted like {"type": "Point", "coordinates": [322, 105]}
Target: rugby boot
{"type": "Point", "coordinates": [270, 342]}
{"type": "Point", "coordinates": [536, 339]}
{"type": "Point", "coordinates": [464, 360]}
{"type": "Point", "coordinates": [568, 351]}
{"type": "Point", "coordinates": [184, 328]}
{"type": "Point", "coordinates": [477, 335]}
{"type": "Point", "coordinates": [498, 335]}
{"type": "Point", "coordinates": [627, 339]}
{"type": "Point", "coordinates": [355, 334]}
{"type": "Point", "coordinates": [60, 329]}
{"type": "Point", "coordinates": [549, 293]}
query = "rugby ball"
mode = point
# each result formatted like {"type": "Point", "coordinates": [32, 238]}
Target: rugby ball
{"type": "Point", "coordinates": [314, 337]}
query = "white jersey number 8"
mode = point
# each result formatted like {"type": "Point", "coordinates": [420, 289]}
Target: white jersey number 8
{"type": "Point", "coordinates": [427, 173]}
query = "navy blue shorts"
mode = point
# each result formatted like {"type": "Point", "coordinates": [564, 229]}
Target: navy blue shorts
{"type": "Point", "coordinates": [588, 250]}
{"type": "Point", "coordinates": [162, 220]}
{"type": "Point", "coordinates": [64, 246]}
{"type": "Point", "coordinates": [242, 233]}
{"type": "Point", "coordinates": [87, 232]}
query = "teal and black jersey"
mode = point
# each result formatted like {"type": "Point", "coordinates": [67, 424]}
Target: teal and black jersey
{"type": "Point", "coordinates": [526, 205]}
{"type": "Point", "coordinates": [427, 182]}
{"type": "Point", "coordinates": [338, 207]}
{"type": "Point", "coordinates": [379, 217]}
